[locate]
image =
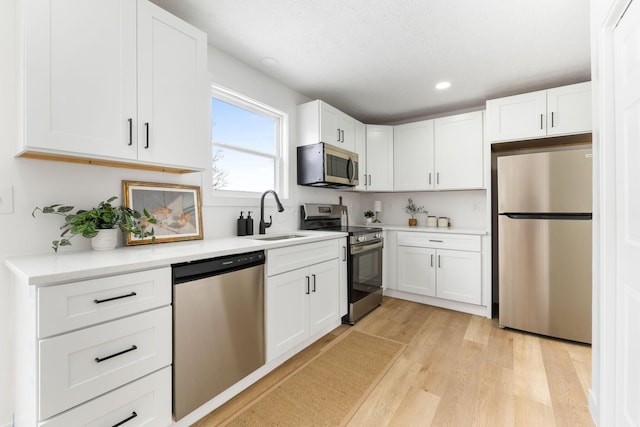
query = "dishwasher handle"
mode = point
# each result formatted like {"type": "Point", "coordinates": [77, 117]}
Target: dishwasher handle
{"type": "Point", "coordinates": [195, 270]}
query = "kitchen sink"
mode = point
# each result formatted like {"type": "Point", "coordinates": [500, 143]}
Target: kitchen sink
{"type": "Point", "coordinates": [280, 237]}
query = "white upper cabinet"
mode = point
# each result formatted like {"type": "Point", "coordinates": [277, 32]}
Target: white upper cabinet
{"type": "Point", "coordinates": [560, 111]}
{"type": "Point", "coordinates": [96, 71]}
{"type": "Point", "coordinates": [173, 94]}
{"type": "Point", "coordinates": [379, 164]}
{"type": "Point", "coordinates": [458, 151]}
{"type": "Point", "coordinates": [440, 154]}
{"type": "Point", "coordinates": [413, 150]}
{"type": "Point", "coordinates": [320, 122]}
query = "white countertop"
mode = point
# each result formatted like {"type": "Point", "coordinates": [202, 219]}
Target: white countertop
{"type": "Point", "coordinates": [65, 266]}
{"type": "Point", "coordinates": [445, 230]}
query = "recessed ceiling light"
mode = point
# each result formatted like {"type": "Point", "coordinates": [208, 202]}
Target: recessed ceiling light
{"type": "Point", "coordinates": [269, 62]}
{"type": "Point", "coordinates": [443, 85]}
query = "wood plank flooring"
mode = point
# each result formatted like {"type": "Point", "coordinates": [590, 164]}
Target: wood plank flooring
{"type": "Point", "coordinates": [457, 370]}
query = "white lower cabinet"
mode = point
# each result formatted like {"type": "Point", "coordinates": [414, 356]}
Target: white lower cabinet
{"type": "Point", "coordinates": [143, 402]}
{"type": "Point", "coordinates": [95, 352]}
{"type": "Point", "coordinates": [304, 301]}
{"type": "Point", "coordinates": [442, 266]}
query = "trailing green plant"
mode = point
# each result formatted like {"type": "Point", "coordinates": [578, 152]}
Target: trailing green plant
{"type": "Point", "coordinates": [413, 209]}
{"type": "Point", "coordinates": [103, 217]}
{"type": "Point", "coordinates": [369, 214]}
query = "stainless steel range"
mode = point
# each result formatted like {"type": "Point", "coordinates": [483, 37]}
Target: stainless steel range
{"type": "Point", "coordinates": [364, 264]}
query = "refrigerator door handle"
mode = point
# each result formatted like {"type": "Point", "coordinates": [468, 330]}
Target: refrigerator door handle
{"type": "Point", "coordinates": [561, 216]}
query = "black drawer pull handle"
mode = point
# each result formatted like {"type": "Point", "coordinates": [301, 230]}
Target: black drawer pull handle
{"type": "Point", "coordinates": [100, 301]}
{"type": "Point", "coordinates": [120, 353]}
{"type": "Point", "coordinates": [130, 131]}
{"type": "Point", "coordinates": [433, 240]}
{"type": "Point", "coordinates": [146, 144]}
{"type": "Point", "coordinates": [129, 418]}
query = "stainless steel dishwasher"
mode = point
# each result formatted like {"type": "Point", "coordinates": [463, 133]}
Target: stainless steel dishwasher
{"type": "Point", "coordinates": [218, 326]}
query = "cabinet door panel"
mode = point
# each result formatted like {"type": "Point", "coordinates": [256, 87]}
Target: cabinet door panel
{"type": "Point", "coordinates": [458, 151]}
{"type": "Point", "coordinates": [569, 109]}
{"type": "Point", "coordinates": [459, 276]}
{"type": "Point", "coordinates": [416, 270]}
{"type": "Point", "coordinates": [287, 311]}
{"type": "Point", "coordinates": [380, 158]}
{"type": "Point", "coordinates": [413, 156]}
{"type": "Point", "coordinates": [172, 90]}
{"type": "Point", "coordinates": [80, 76]}
{"type": "Point", "coordinates": [518, 116]}
{"type": "Point", "coordinates": [325, 295]}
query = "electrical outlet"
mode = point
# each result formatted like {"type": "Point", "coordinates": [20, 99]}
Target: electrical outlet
{"type": "Point", "coordinates": [6, 199]}
{"type": "Point", "coordinates": [476, 207]}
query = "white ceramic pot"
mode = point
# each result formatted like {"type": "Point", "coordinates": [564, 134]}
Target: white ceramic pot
{"type": "Point", "coordinates": [368, 220]}
{"type": "Point", "coordinates": [105, 240]}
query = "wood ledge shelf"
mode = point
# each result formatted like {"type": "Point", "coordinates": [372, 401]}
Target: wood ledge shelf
{"type": "Point", "coordinates": [108, 163]}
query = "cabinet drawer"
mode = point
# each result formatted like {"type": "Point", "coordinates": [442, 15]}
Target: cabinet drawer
{"type": "Point", "coordinates": [81, 365]}
{"type": "Point", "coordinates": [146, 401]}
{"type": "Point", "coordinates": [461, 242]}
{"type": "Point", "coordinates": [292, 257]}
{"type": "Point", "coordinates": [79, 304]}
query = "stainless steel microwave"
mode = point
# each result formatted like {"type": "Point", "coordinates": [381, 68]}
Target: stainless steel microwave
{"type": "Point", "coordinates": [324, 165]}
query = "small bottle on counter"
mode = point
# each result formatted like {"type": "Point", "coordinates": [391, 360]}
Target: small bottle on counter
{"type": "Point", "coordinates": [249, 222]}
{"type": "Point", "coordinates": [242, 225]}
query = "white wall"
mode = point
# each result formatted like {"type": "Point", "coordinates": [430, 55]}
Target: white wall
{"type": "Point", "coordinates": [464, 208]}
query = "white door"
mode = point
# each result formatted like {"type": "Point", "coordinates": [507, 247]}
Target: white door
{"type": "Point", "coordinates": [416, 270]}
{"type": "Point", "coordinates": [627, 111]}
{"type": "Point", "coordinates": [458, 151]}
{"type": "Point", "coordinates": [459, 276]}
{"type": "Point", "coordinates": [286, 311]}
{"type": "Point", "coordinates": [518, 116]}
{"type": "Point", "coordinates": [172, 89]}
{"type": "Point", "coordinates": [329, 130]}
{"type": "Point", "coordinates": [413, 156]}
{"type": "Point", "coordinates": [569, 109]}
{"type": "Point", "coordinates": [80, 77]}
{"type": "Point", "coordinates": [379, 158]}
{"type": "Point", "coordinates": [324, 295]}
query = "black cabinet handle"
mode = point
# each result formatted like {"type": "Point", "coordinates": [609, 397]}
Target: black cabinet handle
{"type": "Point", "coordinates": [433, 240]}
{"type": "Point", "coordinates": [431, 260]}
{"type": "Point", "coordinates": [344, 253]}
{"type": "Point", "coordinates": [129, 418]}
{"type": "Point", "coordinates": [146, 144]}
{"type": "Point", "coordinates": [341, 136]}
{"type": "Point", "coordinates": [100, 301]}
{"type": "Point", "coordinates": [120, 353]}
{"type": "Point", "coordinates": [130, 131]}
{"type": "Point", "coordinates": [438, 261]}
{"type": "Point", "coordinates": [552, 119]}
{"type": "Point", "coordinates": [541, 117]}
{"type": "Point", "coordinates": [338, 140]}
{"type": "Point", "coordinates": [314, 282]}
{"type": "Point", "coordinates": [307, 292]}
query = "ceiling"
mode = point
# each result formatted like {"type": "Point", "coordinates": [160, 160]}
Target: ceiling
{"type": "Point", "coordinates": [379, 60]}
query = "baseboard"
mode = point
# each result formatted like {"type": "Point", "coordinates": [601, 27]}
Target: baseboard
{"type": "Point", "coordinates": [593, 407]}
{"type": "Point", "coordinates": [478, 310]}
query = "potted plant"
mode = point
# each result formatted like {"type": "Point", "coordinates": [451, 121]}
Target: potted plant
{"type": "Point", "coordinates": [368, 216]}
{"type": "Point", "coordinates": [413, 209]}
{"type": "Point", "coordinates": [100, 224]}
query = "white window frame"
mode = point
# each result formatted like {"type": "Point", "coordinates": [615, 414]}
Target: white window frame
{"type": "Point", "coordinates": [281, 156]}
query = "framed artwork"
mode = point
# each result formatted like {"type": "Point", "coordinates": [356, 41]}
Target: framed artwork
{"type": "Point", "coordinates": [177, 209]}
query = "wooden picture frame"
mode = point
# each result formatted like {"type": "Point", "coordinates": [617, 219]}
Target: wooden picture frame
{"type": "Point", "coordinates": [177, 208]}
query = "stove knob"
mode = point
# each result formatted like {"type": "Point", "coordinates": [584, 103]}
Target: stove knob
{"type": "Point", "coordinates": [361, 238]}
{"type": "Point", "coordinates": [378, 235]}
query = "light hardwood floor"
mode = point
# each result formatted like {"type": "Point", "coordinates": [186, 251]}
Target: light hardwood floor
{"type": "Point", "coordinates": [457, 370]}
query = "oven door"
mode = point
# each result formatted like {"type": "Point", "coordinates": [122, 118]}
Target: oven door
{"type": "Point", "coordinates": [366, 270]}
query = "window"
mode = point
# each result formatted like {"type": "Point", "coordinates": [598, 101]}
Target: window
{"type": "Point", "coordinates": [248, 145]}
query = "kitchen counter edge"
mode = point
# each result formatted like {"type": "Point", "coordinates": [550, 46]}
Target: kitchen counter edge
{"type": "Point", "coordinates": [442, 230]}
{"type": "Point", "coordinates": [69, 266]}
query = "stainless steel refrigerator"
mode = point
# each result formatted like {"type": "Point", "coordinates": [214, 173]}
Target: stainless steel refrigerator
{"type": "Point", "coordinates": [544, 243]}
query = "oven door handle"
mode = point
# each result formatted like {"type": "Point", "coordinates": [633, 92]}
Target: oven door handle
{"type": "Point", "coordinates": [355, 250]}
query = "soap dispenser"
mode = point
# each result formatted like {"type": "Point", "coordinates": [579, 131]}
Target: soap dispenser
{"type": "Point", "coordinates": [249, 222]}
{"type": "Point", "coordinates": [242, 225]}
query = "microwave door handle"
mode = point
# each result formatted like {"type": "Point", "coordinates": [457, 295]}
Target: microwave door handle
{"type": "Point", "coordinates": [350, 169]}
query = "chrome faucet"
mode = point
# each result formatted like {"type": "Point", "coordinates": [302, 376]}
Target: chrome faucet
{"type": "Point", "coordinates": [264, 225]}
